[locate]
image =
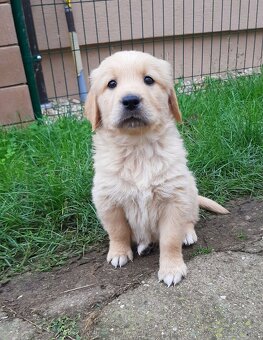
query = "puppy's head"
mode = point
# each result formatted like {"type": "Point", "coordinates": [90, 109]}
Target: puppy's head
{"type": "Point", "coordinates": [131, 91]}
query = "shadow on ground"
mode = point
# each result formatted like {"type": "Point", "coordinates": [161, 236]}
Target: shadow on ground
{"type": "Point", "coordinates": [71, 299]}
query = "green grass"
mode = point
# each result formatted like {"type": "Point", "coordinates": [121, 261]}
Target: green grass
{"type": "Point", "coordinates": [223, 133]}
{"type": "Point", "coordinates": [46, 172]}
{"type": "Point", "coordinates": [45, 195]}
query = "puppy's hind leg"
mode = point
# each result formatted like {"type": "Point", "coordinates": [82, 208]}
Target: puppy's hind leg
{"type": "Point", "coordinates": [190, 234]}
{"type": "Point", "coordinates": [141, 248]}
{"type": "Point", "coordinates": [116, 225]}
{"type": "Point", "coordinates": [145, 248]}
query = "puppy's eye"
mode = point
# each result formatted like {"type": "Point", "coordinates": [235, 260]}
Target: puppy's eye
{"type": "Point", "coordinates": [112, 84]}
{"type": "Point", "coordinates": [148, 80]}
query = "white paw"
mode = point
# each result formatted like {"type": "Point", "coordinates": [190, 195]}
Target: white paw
{"type": "Point", "coordinates": [172, 275]}
{"type": "Point", "coordinates": [141, 247]}
{"type": "Point", "coordinates": [190, 238]}
{"type": "Point", "coordinates": [119, 260]}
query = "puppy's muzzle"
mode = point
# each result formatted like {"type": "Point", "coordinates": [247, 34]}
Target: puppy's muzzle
{"type": "Point", "coordinates": [132, 113]}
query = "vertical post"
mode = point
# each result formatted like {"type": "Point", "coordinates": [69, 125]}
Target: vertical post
{"type": "Point", "coordinates": [31, 33]}
{"type": "Point", "coordinates": [27, 58]}
{"type": "Point", "coordinates": [76, 51]}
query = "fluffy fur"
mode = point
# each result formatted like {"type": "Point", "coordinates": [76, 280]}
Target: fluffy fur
{"type": "Point", "coordinates": [143, 190]}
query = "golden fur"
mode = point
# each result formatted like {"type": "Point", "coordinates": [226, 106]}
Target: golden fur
{"type": "Point", "coordinates": [143, 190]}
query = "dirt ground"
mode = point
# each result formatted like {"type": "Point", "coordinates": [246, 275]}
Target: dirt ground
{"type": "Point", "coordinates": [82, 288]}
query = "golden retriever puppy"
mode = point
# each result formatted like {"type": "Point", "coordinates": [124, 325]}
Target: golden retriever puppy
{"type": "Point", "coordinates": [143, 190]}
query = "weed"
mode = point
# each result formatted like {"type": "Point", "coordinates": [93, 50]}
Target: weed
{"type": "Point", "coordinates": [64, 328]}
{"type": "Point", "coordinates": [242, 236]}
{"type": "Point", "coordinates": [202, 251]}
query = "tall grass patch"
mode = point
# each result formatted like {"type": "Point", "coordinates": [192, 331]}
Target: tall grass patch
{"type": "Point", "coordinates": [45, 194]}
{"type": "Point", "coordinates": [223, 133]}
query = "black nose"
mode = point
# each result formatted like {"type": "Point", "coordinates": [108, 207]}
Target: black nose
{"type": "Point", "coordinates": [131, 102]}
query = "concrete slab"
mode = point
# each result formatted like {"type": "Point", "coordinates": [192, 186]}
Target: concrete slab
{"type": "Point", "coordinates": [221, 298]}
{"type": "Point", "coordinates": [15, 329]}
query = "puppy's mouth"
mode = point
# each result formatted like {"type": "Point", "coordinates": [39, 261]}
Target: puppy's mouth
{"type": "Point", "coordinates": [132, 120]}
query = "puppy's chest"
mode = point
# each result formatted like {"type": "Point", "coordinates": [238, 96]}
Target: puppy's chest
{"type": "Point", "coordinates": [144, 174]}
{"type": "Point", "coordinates": [143, 192]}
{"type": "Point", "coordinates": [146, 181]}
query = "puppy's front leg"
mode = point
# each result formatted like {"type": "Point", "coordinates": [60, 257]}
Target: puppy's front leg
{"type": "Point", "coordinates": [172, 266]}
{"type": "Point", "coordinates": [116, 225]}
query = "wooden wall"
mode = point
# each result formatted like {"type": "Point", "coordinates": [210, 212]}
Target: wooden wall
{"type": "Point", "coordinates": [14, 95]}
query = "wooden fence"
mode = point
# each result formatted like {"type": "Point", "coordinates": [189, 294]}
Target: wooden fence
{"type": "Point", "coordinates": [197, 37]}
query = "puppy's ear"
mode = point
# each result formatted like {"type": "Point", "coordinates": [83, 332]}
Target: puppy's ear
{"type": "Point", "coordinates": [174, 108]}
{"type": "Point", "coordinates": [92, 111]}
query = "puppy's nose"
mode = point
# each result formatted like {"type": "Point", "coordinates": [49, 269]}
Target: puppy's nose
{"type": "Point", "coordinates": [131, 102]}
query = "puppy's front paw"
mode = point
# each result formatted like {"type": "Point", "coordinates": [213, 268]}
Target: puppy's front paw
{"type": "Point", "coordinates": [172, 273]}
{"type": "Point", "coordinates": [118, 258]}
